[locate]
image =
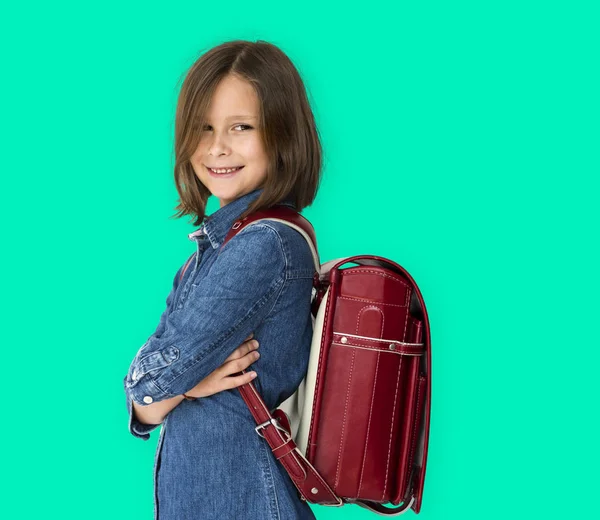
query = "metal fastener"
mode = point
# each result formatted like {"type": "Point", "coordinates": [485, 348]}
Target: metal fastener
{"type": "Point", "coordinates": [314, 491]}
{"type": "Point", "coordinates": [344, 339]}
{"type": "Point", "coordinates": [392, 346]}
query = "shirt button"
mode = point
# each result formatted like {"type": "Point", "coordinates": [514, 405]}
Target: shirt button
{"type": "Point", "coordinates": [147, 399]}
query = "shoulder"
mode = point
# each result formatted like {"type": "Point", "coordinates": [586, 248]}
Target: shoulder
{"type": "Point", "coordinates": [255, 239]}
{"type": "Point", "coordinates": [274, 243]}
{"type": "Point", "coordinates": [255, 250]}
{"type": "Point", "coordinates": [295, 247]}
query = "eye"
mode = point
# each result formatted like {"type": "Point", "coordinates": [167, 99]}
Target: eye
{"type": "Point", "coordinates": [246, 126]}
{"type": "Point", "coordinates": [206, 128]}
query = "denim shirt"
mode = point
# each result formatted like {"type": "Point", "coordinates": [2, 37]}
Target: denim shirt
{"type": "Point", "coordinates": [209, 462]}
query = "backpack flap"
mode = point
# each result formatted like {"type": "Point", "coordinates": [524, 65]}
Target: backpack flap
{"type": "Point", "coordinates": [414, 373]}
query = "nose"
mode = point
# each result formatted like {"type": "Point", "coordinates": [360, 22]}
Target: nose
{"type": "Point", "coordinates": [218, 145]}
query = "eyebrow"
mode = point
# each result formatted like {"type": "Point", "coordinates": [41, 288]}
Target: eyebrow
{"type": "Point", "coordinates": [243, 116]}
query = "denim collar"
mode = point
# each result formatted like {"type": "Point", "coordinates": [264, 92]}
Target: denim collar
{"type": "Point", "coordinates": [217, 225]}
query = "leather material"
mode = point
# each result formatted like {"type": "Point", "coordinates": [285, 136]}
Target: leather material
{"type": "Point", "coordinates": [369, 421]}
{"type": "Point", "coordinates": [308, 481]}
{"type": "Point", "coordinates": [366, 399]}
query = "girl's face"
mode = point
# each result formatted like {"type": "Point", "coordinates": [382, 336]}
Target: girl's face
{"type": "Point", "coordinates": [231, 139]}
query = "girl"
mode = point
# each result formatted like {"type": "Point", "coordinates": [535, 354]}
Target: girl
{"type": "Point", "coordinates": [246, 134]}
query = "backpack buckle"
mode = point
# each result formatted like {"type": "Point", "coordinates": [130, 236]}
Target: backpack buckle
{"type": "Point", "coordinates": [275, 423]}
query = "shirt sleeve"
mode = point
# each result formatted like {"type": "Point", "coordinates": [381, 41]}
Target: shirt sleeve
{"type": "Point", "coordinates": [228, 303]}
{"type": "Point", "coordinates": [136, 428]}
{"type": "Point", "coordinates": [162, 322]}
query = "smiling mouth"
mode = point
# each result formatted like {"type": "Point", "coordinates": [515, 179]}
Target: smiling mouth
{"type": "Point", "coordinates": [224, 171]}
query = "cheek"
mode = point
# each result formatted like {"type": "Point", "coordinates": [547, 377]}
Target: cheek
{"type": "Point", "coordinates": [197, 159]}
{"type": "Point", "coordinates": [197, 162]}
{"type": "Point", "coordinates": [200, 150]}
{"type": "Point", "coordinates": [255, 150]}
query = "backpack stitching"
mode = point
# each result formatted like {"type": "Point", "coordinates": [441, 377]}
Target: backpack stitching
{"type": "Point", "coordinates": [337, 472]}
{"type": "Point", "coordinates": [363, 271]}
{"type": "Point", "coordinates": [374, 307]}
{"type": "Point", "coordinates": [392, 430]}
{"type": "Point", "coordinates": [394, 410]}
{"type": "Point", "coordinates": [370, 301]}
{"type": "Point", "coordinates": [417, 417]}
{"type": "Point", "coordinates": [369, 426]}
{"type": "Point", "coordinates": [372, 395]}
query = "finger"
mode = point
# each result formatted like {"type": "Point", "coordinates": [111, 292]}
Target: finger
{"type": "Point", "coordinates": [235, 381]}
{"type": "Point", "coordinates": [239, 364]}
{"type": "Point", "coordinates": [242, 350]}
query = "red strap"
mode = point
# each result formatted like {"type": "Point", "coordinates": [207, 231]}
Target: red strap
{"type": "Point", "coordinates": [279, 212]}
{"type": "Point", "coordinates": [306, 479]}
{"type": "Point", "coordinates": [276, 212]}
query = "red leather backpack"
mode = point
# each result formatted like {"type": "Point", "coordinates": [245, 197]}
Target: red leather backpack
{"type": "Point", "coordinates": [356, 430]}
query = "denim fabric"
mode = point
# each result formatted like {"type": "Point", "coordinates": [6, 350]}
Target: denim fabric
{"type": "Point", "coordinates": [210, 463]}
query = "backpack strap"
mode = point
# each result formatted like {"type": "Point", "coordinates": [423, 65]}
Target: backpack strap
{"type": "Point", "coordinates": [305, 477]}
{"type": "Point", "coordinates": [283, 214]}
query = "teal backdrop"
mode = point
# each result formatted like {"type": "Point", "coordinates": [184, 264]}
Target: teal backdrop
{"type": "Point", "coordinates": [461, 140]}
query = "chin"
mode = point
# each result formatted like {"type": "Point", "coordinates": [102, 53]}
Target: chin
{"type": "Point", "coordinates": [227, 195]}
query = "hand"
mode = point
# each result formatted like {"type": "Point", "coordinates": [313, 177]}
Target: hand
{"type": "Point", "coordinates": [221, 379]}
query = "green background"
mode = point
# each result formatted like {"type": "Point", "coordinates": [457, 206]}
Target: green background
{"type": "Point", "coordinates": [461, 140]}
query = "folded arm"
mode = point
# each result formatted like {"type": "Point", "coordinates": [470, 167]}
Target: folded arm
{"type": "Point", "coordinates": [230, 374]}
{"type": "Point", "coordinates": [227, 305]}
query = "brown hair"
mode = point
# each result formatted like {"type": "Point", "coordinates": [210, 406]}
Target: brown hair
{"type": "Point", "coordinates": [287, 125]}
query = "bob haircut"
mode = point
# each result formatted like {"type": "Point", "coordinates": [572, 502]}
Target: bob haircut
{"type": "Point", "coordinates": [287, 125]}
